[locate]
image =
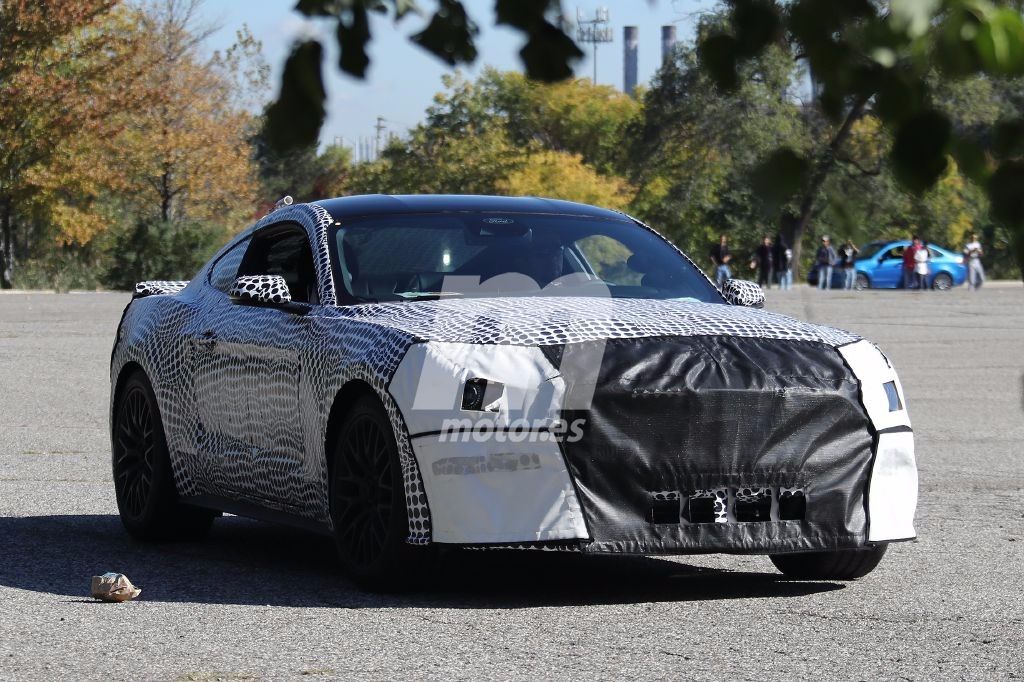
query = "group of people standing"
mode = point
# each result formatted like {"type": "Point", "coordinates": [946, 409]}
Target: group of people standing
{"type": "Point", "coordinates": [827, 259]}
{"type": "Point", "coordinates": [773, 261]}
{"type": "Point", "coordinates": [915, 264]}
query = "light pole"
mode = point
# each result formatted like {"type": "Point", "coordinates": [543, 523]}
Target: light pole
{"type": "Point", "coordinates": [594, 31]}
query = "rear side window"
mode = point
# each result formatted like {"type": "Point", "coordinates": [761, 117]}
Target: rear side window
{"type": "Point", "coordinates": [224, 271]}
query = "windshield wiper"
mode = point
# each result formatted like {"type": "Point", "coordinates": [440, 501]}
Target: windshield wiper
{"type": "Point", "coordinates": [429, 294]}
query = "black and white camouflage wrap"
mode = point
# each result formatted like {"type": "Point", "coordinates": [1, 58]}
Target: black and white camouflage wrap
{"type": "Point", "coordinates": [266, 352]}
{"type": "Point", "coordinates": [261, 289]}
{"type": "Point", "coordinates": [158, 286]}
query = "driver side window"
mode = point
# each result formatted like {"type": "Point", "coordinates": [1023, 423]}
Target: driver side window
{"type": "Point", "coordinates": [284, 252]}
{"type": "Point", "coordinates": [894, 253]}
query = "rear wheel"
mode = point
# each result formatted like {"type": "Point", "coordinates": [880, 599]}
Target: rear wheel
{"type": "Point", "coordinates": [143, 483]}
{"type": "Point", "coordinates": [862, 282]}
{"type": "Point", "coordinates": [845, 564]}
{"type": "Point", "coordinates": [942, 282]}
{"type": "Point", "coordinates": [368, 506]}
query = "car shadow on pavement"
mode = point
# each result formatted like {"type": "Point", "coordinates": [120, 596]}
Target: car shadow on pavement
{"type": "Point", "coordinates": [246, 562]}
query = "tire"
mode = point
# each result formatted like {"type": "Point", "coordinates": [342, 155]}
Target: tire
{"type": "Point", "coordinates": [942, 282]}
{"type": "Point", "coordinates": [846, 564]}
{"type": "Point", "coordinates": [147, 499]}
{"type": "Point", "coordinates": [862, 282]}
{"type": "Point", "coordinates": [368, 507]}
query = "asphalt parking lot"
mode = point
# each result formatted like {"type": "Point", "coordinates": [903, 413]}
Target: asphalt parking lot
{"type": "Point", "coordinates": [260, 602]}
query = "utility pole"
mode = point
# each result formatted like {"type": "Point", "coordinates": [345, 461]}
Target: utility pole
{"type": "Point", "coordinates": [594, 31]}
{"type": "Point", "coordinates": [380, 128]}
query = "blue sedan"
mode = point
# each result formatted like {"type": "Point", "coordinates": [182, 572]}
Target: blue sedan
{"type": "Point", "coordinates": [880, 266]}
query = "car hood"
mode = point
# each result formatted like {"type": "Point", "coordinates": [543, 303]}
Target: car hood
{"type": "Point", "coordinates": [544, 321]}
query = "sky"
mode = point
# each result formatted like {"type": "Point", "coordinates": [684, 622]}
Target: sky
{"type": "Point", "coordinates": [403, 78]}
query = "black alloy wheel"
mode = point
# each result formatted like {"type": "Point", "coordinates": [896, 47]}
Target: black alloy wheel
{"type": "Point", "coordinates": [147, 499]}
{"type": "Point", "coordinates": [368, 508]}
{"type": "Point", "coordinates": [135, 447]}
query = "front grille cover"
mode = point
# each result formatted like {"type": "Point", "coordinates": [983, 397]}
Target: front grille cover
{"type": "Point", "coordinates": [683, 415]}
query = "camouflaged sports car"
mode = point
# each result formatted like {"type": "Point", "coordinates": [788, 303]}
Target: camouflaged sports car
{"type": "Point", "coordinates": [404, 371]}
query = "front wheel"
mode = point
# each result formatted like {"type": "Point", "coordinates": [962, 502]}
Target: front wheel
{"type": "Point", "coordinates": [147, 499]}
{"type": "Point", "coordinates": [844, 564]}
{"type": "Point", "coordinates": [942, 282]}
{"type": "Point", "coordinates": [862, 282]}
{"type": "Point", "coordinates": [368, 508]}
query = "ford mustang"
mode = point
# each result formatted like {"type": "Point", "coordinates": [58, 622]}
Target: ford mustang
{"type": "Point", "coordinates": [402, 372]}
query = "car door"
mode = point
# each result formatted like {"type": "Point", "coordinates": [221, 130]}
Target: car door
{"type": "Point", "coordinates": [888, 271]}
{"type": "Point", "coordinates": [249, 370]}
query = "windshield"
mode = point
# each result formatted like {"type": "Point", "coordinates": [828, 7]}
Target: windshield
{"type": "Point", "coordinates": [452, 255]}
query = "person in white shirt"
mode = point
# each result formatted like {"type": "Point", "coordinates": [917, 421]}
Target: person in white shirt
{"type": "Point", "coordinates": [921, 266]}
{"type": "Point", "coordinates": [972, 257]}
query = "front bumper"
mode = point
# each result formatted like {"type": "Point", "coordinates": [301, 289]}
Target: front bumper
{"type": "Point", "coordinates": [688, 445]}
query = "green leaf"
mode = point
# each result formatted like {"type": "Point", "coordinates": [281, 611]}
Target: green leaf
{"type": "Point", "coordinates": [757, 24]}
{"type": "Point", "coordinates": [522, 14]}
{"type": "Point", "coordinates": [779, 177]}
{"type": "Point", "coordinates": [913, 17]}
{"type": "Point", "coordinates": [449, 35]}
{"type": "Point", "coordinates": [295, 119]}
{"type": "Point", "coordinates": [970, 158]}
{"type": "Point", "coordinates": [549, 53]}
{"type": "Point", "coordinates": [718, 55]}
{"type": "Point", "coordinates": [1006, 192]}
{"type": "Point", "coordinates": [1000, 43]}
{"type": "Point", "coordinates": [1008, 139]}
{"type": "Point", "coordinates": [317, 8]}
{"type": "Point", "coordinates": [919, 150]}
{"type": "Point", "coordinates": [353, 35]}
{"type": "Point", "coordinates": [403, 7]}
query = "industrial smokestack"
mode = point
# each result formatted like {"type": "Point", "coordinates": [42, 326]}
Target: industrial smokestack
{"type": "Point", "coordinates": [629, 73]}
{"type": "Point", "coordinates": [668, 42]}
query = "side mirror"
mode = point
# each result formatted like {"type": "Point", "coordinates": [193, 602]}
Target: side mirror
{"type": "Point", "coordinates": [744, 293]}
{"type": "Point", "coordinates": [261, 290]}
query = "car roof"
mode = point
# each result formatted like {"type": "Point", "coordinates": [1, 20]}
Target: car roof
{"type": "Point", "coordinates": [344, 208]}
{"type": "Point", "coordinates": [904, 242]}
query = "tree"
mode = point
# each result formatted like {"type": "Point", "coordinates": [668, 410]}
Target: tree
{"type": "Point", "coordinates": [52, 54]}
{"type": "Point", "coordinates": [169, 175]}
{"type": "Point", "coordinates": [561, 175]}
{"type": "Point", "coordinates": [504, 134]}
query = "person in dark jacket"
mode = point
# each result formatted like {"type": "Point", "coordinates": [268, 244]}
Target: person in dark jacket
{"type": "Point", "coordinates": [825, 260]}
{"type": "Point", "coordinates": [764, 259]}
{"type": "Point", "coordinates": [781, 258]}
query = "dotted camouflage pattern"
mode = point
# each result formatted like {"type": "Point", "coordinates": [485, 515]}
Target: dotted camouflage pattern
{"type": "Point", "coordinates": [743, 293]}
{"type": "Point", "coordinates": [159, 286]}
{"type": "Point", "coordinates": [267, 350]}
{"type": "Point", "coordinates": [268, 289]}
